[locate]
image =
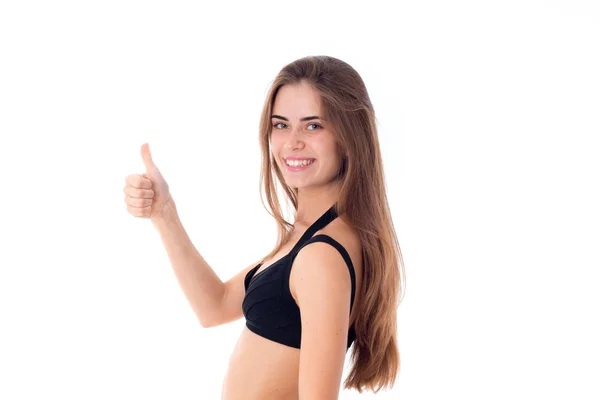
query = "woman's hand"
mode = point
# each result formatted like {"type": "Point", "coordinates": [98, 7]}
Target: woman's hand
{"type": "Point", "coordinates": [147, 195]}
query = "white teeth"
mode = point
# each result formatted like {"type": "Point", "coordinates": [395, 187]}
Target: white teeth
{"type": "Point", "coordinates": [296, 163]}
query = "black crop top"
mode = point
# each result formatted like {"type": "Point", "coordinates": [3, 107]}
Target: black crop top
{"type": "Point", "coordinates": [268, 306]}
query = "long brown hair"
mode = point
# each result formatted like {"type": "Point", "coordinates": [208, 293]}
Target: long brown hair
{"type": "Point", "coordinates": [362, 204]}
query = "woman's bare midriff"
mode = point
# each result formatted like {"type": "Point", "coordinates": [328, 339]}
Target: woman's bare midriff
{"type": "Point", "coordinates": [263, 369]}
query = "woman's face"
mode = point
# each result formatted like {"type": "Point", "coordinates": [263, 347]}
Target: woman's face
{"type": "Point", "coordinates": [298, 131]}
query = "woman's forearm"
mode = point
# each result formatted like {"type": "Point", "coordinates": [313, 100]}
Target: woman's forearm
{"type": "Point", "coordinates": [201, 285]}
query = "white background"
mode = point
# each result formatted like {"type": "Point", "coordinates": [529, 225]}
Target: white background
{"type": "Point", "coordinates": [488, 116]}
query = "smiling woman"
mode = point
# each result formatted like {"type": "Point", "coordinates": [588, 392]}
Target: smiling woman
{"type": "Point", "coordinates": [334, 279]}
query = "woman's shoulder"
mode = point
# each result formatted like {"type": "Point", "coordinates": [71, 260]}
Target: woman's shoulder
{"type": "Point", "coordinates": [346, 235]}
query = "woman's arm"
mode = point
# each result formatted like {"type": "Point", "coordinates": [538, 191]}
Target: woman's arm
{"type": "Point", "coordinates": [201, 285]}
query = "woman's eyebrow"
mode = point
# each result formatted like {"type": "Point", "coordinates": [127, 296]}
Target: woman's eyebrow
{"type": "Point", "coordinates": [301, 119]}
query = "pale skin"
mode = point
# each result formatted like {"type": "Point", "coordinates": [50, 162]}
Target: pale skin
{"type": "Point", "coordinates": [319, 280]}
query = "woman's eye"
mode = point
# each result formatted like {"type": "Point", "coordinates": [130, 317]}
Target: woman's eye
{"type": "Point", "coordinates": [276, 125]}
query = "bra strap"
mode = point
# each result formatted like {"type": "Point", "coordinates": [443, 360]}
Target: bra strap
{"type": "Point", "coordinates": [321, 222]}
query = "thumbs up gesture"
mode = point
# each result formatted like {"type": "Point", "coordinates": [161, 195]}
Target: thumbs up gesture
{"type": "Point", "coordinates": [147, 195]}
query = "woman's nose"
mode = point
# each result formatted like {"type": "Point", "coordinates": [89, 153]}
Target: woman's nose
{"type": "Point", "coordinates": [294, 139]}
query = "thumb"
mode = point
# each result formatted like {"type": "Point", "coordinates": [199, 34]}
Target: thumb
{"type": "Point", "coordinates": [147, 157]}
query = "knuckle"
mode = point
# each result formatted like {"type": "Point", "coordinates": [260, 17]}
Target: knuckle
{"type": "Point", "coordinates": [145, 183]}
{"type": "Point", "coordinates": [132, 180]}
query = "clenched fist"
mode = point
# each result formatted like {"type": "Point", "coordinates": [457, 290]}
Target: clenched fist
{"type": "Point", "coordinates": [147, 195]}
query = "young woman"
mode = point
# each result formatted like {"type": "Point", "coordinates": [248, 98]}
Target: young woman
{"type": "Point", "coordinates": [335, 276]}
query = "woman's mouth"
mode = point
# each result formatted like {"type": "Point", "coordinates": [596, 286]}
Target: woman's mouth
{"type": "Point", "coordinates": [299, 166]}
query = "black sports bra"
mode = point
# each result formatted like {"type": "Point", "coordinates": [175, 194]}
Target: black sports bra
{"type": "Point", "coordinates": [268, 306]}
